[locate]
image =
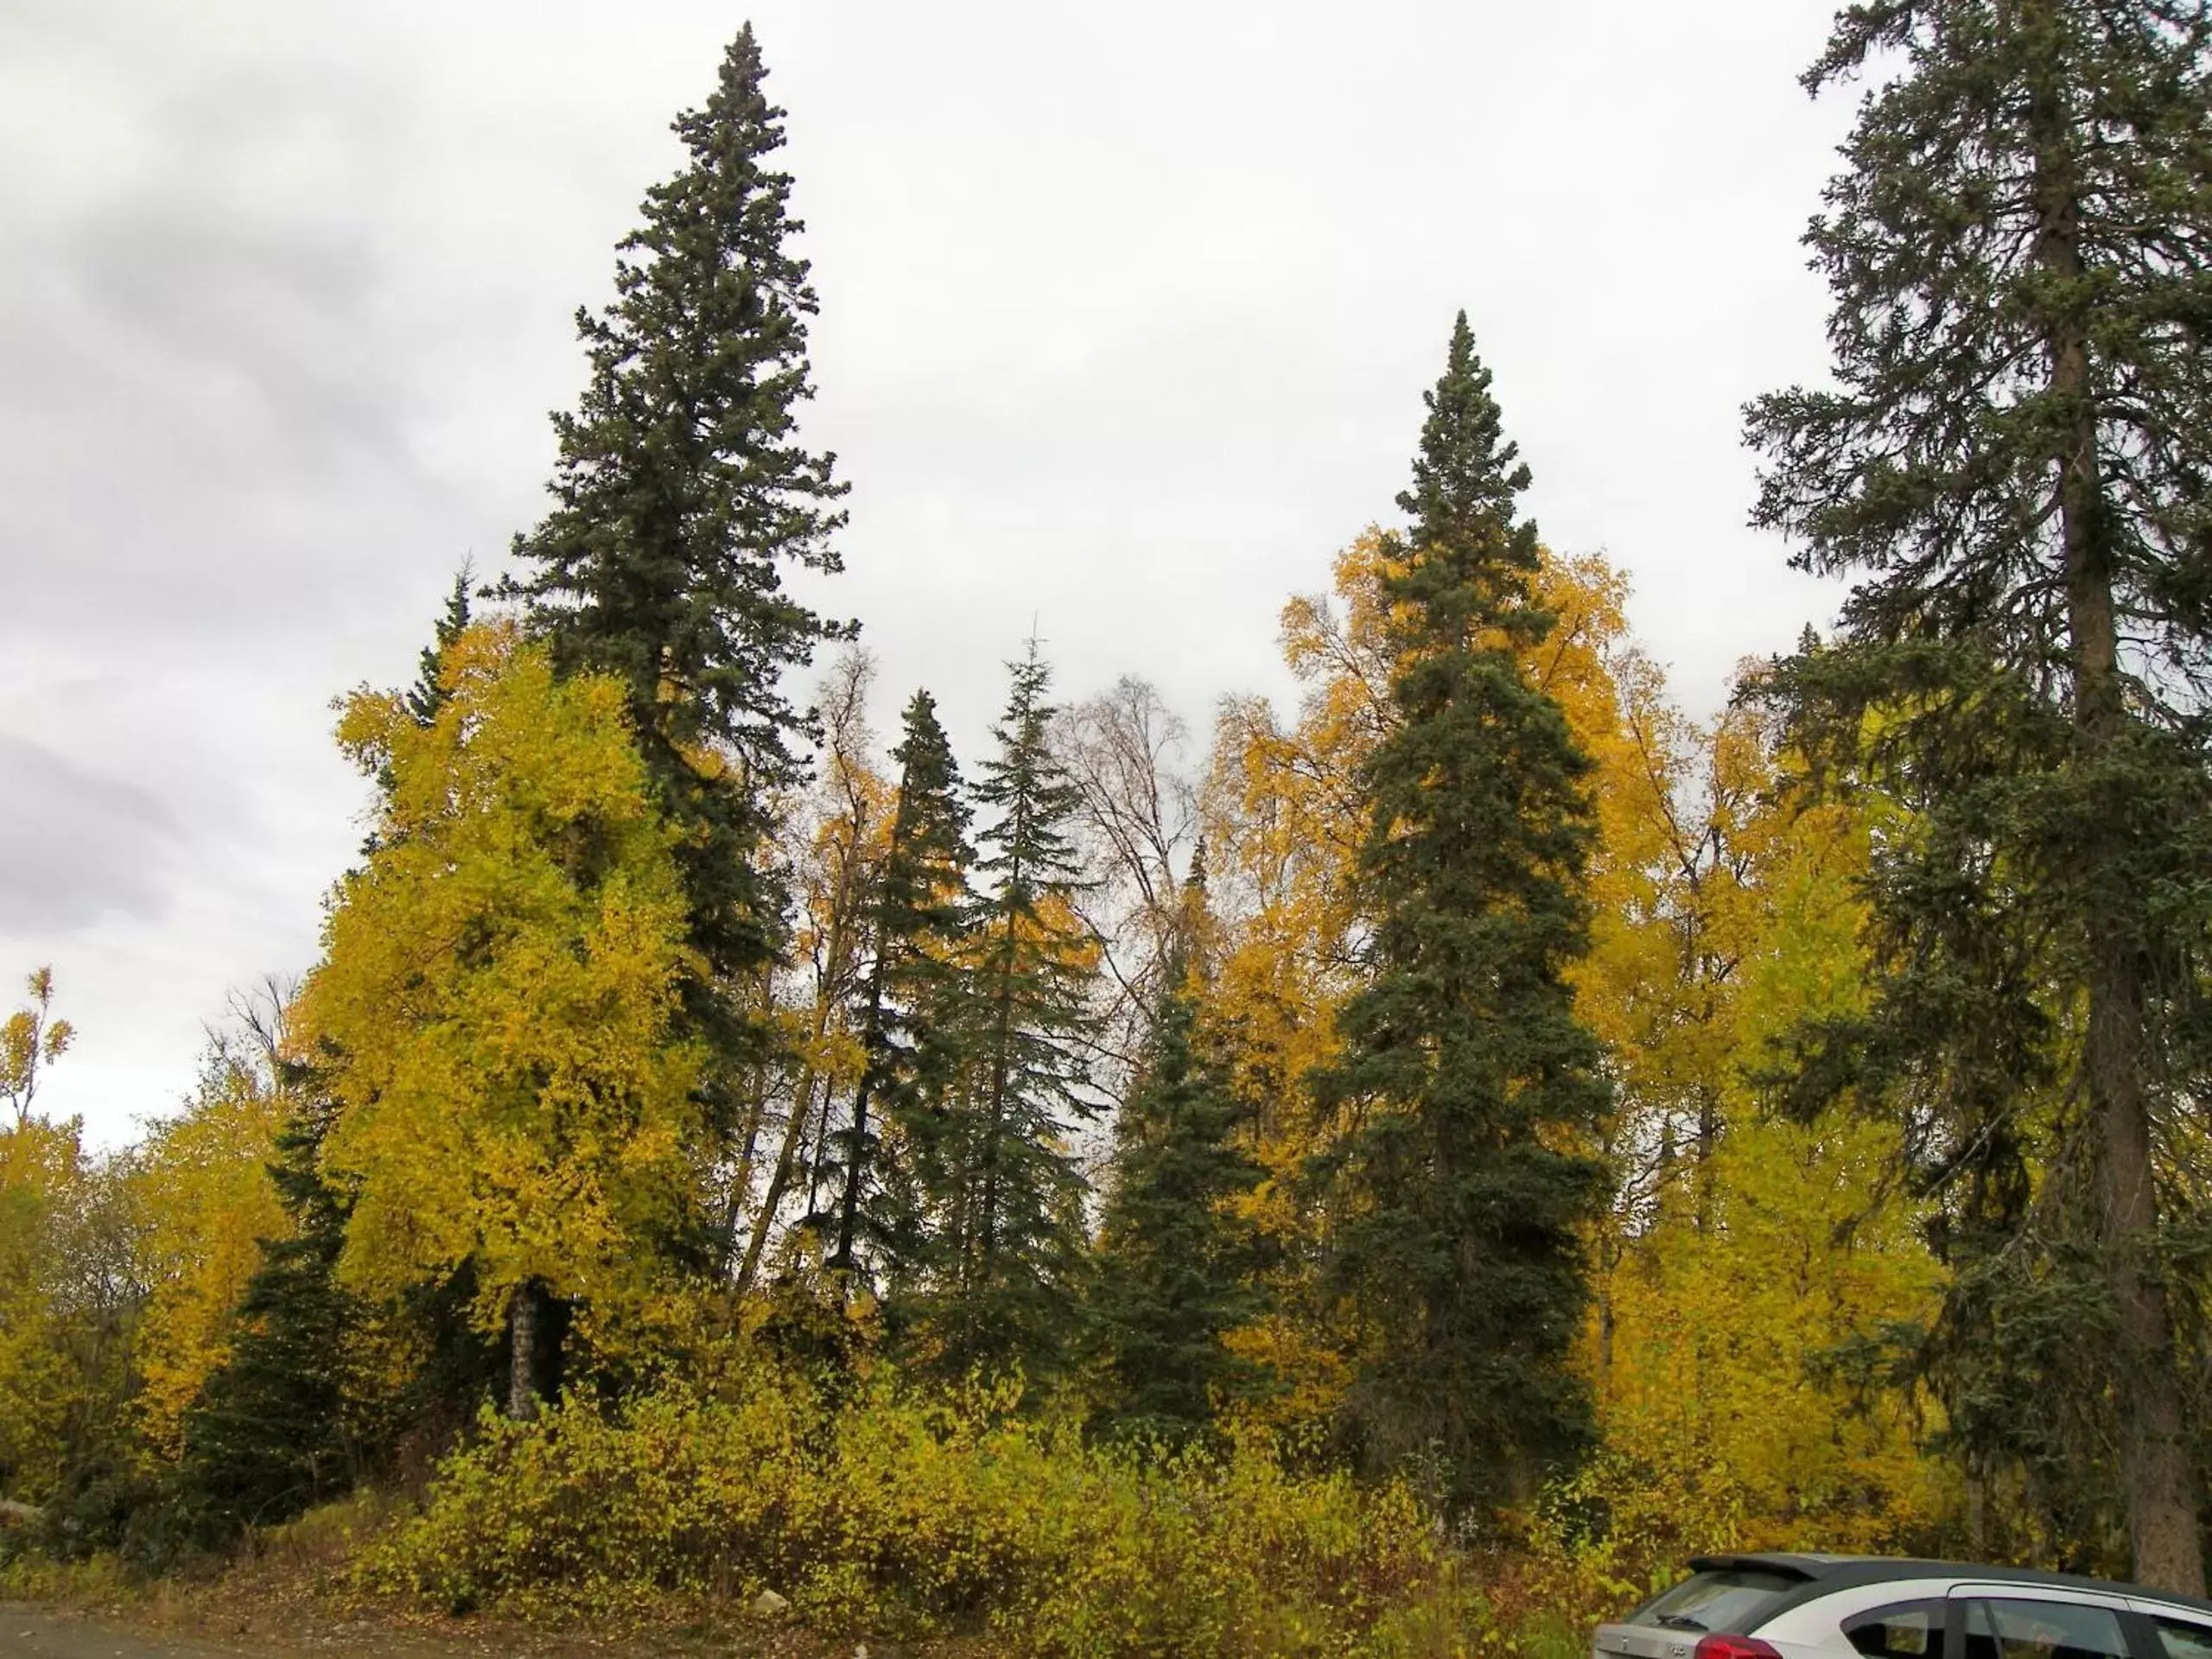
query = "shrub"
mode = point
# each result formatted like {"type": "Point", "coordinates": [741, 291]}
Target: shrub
{"type": "Point", "coordinates": [897, 1514]}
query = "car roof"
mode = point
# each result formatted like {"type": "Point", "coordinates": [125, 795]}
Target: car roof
{"type": "Point", "coordinates": [1823, 1573]}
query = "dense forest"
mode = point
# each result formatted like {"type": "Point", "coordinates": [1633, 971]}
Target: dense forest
{"type": "Point", "coordinates": [1442, 1153]}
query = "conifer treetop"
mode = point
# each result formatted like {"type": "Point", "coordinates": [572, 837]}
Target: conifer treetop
{"type": "Point", "coordinates": [428, 695]}
{"type": "Point", "coordinates": [1472, 553]}
{"type": "Point", "coordinates": [682, 482]}
{"type": "Point", "coordinates": [2030, 176]}
{"type": "Point", "coordinates": [1030, 847]}
{"type": "Point", "coordinates": [1467, 475]}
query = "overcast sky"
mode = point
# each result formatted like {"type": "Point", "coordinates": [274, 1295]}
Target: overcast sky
{"type": "Point", "coordinates": [1125, 315]}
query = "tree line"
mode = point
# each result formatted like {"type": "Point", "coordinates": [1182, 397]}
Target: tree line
{"type": "Point", "coordinates": [1481, 1074]}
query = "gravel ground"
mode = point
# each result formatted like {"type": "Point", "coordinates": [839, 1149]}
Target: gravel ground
{"type": "Point", "coordinates": [28, 1635]}
{"type": "Point", "coordinates": [38, 1636]}
{"type": "Point", "coordinates": [48, 1633]}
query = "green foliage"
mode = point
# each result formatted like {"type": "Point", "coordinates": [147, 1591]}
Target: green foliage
{"type": "Point", "coordinates": [2011, 465]}
{"type": "Point", "coordinates": [892, 1514]}
{"type": "Point", "coordinates": [909, 1028]}
{"type": "Point", "coordinates": [1467, 1078]}
{"type": "Point", "coordinates": [1000, 1190]}
{"type": "Point", "coordinates": [681, 488]}
{"type": "Point", "coordinates": [428, 695]}
{"type": "Point", "coordinates": [290, 1418]}
{"type": "Point", "coordinates": [1178, 1263]}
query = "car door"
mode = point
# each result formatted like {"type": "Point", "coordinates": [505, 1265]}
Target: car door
{"type": "Point", "coordinates": [2175, 1632]}
{"type": "Point", "coordinates": [2029, 1621]}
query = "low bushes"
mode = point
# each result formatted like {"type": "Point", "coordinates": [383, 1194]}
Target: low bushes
{"type": "Point", "coordinates": [890, 1515]}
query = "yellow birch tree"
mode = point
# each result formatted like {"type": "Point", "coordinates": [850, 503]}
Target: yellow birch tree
{"type": "Point", "coordinates": [493, 1014]}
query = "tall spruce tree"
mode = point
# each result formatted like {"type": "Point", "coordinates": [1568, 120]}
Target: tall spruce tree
{"type": "Point", "coordinates": [909, 1026]}
{"type": "Point", "coordinates": [1464, 1078]}
{"type": "Point", "coordinates": [1177, 1267]}
{"type": "Point", "coordinates": [1006, 1224]}
{"type": "Point", "coordinates": [2014, 466]}
{"type": "Point", "coordinates": [682, 490]}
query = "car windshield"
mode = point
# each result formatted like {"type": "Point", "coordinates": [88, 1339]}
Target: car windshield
{"type": "Point", "coordinates": [1730, 1600]}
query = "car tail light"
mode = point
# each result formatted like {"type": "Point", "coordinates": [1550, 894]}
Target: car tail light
{"type": "Point", "coordinates": [1735, 1647]}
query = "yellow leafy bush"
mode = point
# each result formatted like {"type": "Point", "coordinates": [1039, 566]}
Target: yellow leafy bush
{"type": "Point", "coordinates": [44, 1174]}
{"type": "Point", "coordinates": [202, 1183]}
{"type": "Point", "coordinates": [895, 1514]}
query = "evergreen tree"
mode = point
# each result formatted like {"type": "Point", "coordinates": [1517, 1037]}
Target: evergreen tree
{"type": "Point", "coordinates": [276, 1428]}
{"type": "Point", "coordinates": [303, 1407]}
{"type": "Point", "coordinates": [908, 1027]}
{"type": "Point", "coordinates": [1464, 1078]}
{"type": "Point", "coordinates": [1003, 1189]}
{"type": "Point", "coordinates": [428, 695]}
{"type": "Point", "coordinates": [1177, 1266]}
{"type": "Point", "coordinates": [682, 489]}
{"type": "Point", "coordinates": [2013, 464]}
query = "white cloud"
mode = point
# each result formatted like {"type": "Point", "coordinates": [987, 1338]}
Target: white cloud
{"type": "Point", "coordinates": [1127, 312]}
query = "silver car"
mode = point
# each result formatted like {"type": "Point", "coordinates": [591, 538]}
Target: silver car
{"type": "Point", "coordinates": [1835, 1606]}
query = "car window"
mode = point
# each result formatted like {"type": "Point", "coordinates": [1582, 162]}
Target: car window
{"type": "Point", "coordinates": [2042, 1630]}
{"type": "Point", "coordinates": [1911, 1630]}
{"type": "Point", "coordinates": [2184, 1641]}
{"type": "Point", "coordinates": [1728, 1601]}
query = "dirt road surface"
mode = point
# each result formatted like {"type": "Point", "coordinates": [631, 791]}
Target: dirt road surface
{"type": "Point", "coordinates": [26, 1635]}
{"type": "Point", "coordinates": [45, 1633]}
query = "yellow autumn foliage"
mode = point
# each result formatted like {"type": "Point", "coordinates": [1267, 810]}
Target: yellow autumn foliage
{"type": "Point", "coordinates": [1721, 913]}
{"type": "Point", "coordinates": [43, 1171]}
{"type": "Point", "coordinates": [1285, 818]}
{"type": "Point", "coordinates": [494, 1016]}
{"type": "Point", "coordinates": [202, 1183]}
{"type": "Point", "coordinates": [493, 1013]}
{"type": "Point", "coordinates": [887, 1513]}
{"type": "Point", "coordinates": [1739, 1316]}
